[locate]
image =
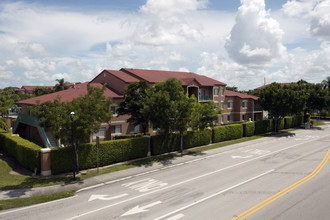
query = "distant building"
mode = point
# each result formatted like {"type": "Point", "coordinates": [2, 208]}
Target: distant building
{"type": "Point", "coordinates": [236, 106]}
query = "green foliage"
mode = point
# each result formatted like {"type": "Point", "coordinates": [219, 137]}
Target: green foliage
{"type": "Point", "coordinates": [40, 90]}
{"type": "Point", "coordinates": [136, 96]}
{"type": "Point", "coordinates": [248, 129]}
{"type": "Point", "coordinates": [165, 143]}
{"type": "Point", "coordinates": [109, 152]}
{"type": "Point", "coordinates": [3, 124]}
{"type": "Point", "coordinates": [297, 121]}
{"type": "Point", "coordinates": [263, 126]}
{"type": "Point", "coordinates": [26, 152]}
{"type": "Point", "coordinates": [227, 132]}
{"type": "Point", "coordinates": [60, 85]}
{"type": "Point", "coordinates": [197, 138]}
{"type": "Point", "coordinates": [126, 136]}
{"type": "Point", "coordinates": [204, 115]}
{"type": "Point", "coordinates": [288, 122]}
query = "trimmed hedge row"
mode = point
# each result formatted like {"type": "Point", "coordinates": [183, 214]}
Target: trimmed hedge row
{"type": "Point", "coordinates": [227, 132]}
{"type": "Point", "coordinates": [264, 126]}
{"type": "Point", "coordinates": [161, 144]}
{"type": "Point", "coordinates": [248, 129]}
{"type": "Point", "coordinates": [109, 152]}
{"type": "Point", "coordinates": [25, 152]}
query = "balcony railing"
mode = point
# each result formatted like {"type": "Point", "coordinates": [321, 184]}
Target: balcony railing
{"type": "Point", "coordinates": [205, 98]}
{"type": "Point", "coordinates": [257, 108]}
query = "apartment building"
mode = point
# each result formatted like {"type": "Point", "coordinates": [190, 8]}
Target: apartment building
{"type": "Point", "coordinates": [236, 106]}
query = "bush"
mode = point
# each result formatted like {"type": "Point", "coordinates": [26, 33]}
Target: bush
{"type": "Point", "coordinates": [297, 121]}
{"type": "Point", "coordinates": [288, 122]}
{"type": "Point", "coordinates": [126, 136]}
{"type": "Point", "coordinates": [263, 126]}
{"type": "Point", "coordinates": [227, 132]}
{"type": "Point", "coordinates": [248, 129]}
{"type": "Point", "coordinates": [109, 152]}
{"type": "Point", "coordinates": [197, 138]}
{"type": "Point", "coordinates": [165, 143]}
{"type": "Point", "coordinates": [25, 152]}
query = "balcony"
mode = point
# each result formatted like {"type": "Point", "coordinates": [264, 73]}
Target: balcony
{"type": "Point", "coordinates": [205, 98]}
{"type": "Point", "coordinates": [257, 108]}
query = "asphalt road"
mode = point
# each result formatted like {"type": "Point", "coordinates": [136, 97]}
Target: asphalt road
{"type": "Point", "coordinates": [283, 177]}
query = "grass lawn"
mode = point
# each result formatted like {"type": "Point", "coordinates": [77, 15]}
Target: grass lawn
{"type": "Point", "coordinates": [15, 203]}
{"type": "Point", "coordinates": [17, 181]}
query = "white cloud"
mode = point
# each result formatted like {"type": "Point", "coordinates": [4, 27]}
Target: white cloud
{"type": "Point", "coordinates": [255, 39]}
{"type": "Point", "coordinates": [317, 11]}
{"type": "Point", "coordinates": [163, 22]}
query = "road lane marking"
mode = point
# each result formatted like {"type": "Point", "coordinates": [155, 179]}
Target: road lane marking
{"type": "Point", "coordinates": [186, 181]}
{"type": "Point", "coordinates": [105, 197]}
{"type": "Point", "coordinates": [271, 199]}
{"type": "Point", "coordinates": [176, 217]}
{"type": "Point", "coordinates": [137, 209]}
{"type": "Point", "coordinates": [145, 185]}
{"type": "Point", "coordinates": [213, 195]}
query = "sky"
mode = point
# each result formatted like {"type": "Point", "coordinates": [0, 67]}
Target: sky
{"type": "Point", "coordinates": [241, 43]}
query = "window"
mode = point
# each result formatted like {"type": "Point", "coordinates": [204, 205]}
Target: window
{"type": "Point", "coordinates": [230, 118]}
{"type": "Point", "coordinates": [216, 104]}
{"type": "Point", "coordinates": [230, 104]}
{"type": "Point", "coordinates": [115, 129]}
{"type": "Point", "coordinates": [221, 119]}
{"type": "Point", "coordinates": [222, 91]}
{"type": "Point", "coordinates": [100, 133]}
{"type": "Point", "coordinates": [221, 105]}
{"type": "Point", "coordinates": [114, 109]}
{"type": "Point", "coordinates": [244, 104]}
{"type": "Point", "coordinates": [134, 128]}
{"type": "Point", "coordinates": [244, 117]}
{"type": "Point", "coordinates": [216, 91]}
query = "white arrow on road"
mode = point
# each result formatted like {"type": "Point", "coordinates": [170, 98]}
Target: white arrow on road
{"type": "Point", "coordinates": [241, 157]}
{"type": "Point", "coordinates": [138, 209]}
{"type": "Point", "coordinates": [105, 197]}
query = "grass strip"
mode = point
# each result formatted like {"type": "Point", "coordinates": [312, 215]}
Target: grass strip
{"type": "Point", "coordinates": [15, 203]}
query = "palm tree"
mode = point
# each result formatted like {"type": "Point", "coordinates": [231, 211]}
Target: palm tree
{"type": "Point", "coordinates": [326, 83]}
{"type": "Point", "coordinates": [60, 85]}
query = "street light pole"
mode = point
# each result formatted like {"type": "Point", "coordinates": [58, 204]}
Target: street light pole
{"type": "Point", "coordinates": [73, 148]}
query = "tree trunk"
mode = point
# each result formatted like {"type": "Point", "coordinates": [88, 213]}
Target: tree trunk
{"type": "Point", "coordinates": [181, 142]}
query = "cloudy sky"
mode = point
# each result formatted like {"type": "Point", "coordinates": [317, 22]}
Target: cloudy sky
{"type": "Point", "coordinates": [240, 43]}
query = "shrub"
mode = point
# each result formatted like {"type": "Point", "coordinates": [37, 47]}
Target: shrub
{"type": "Point", "coordinates": [25, 152]}
{"type": "Point", "coordinates": [288, 122]}
{"type": "Point", "coordinates": [165, 143]}
{"type": "Point", "coordinates": [263, 126]}
{"type": "Point", "coordinates": [281, 124]}
{"type": "Point", "coordinates": [109, 152]}
{"type": "Point", "coordinates": [197, 138]}
{"type": "Point", "coordinates": [297, 121]}
{"type": "Point", "coordinates": [248, 129]}
{"type": "Point", "coordinates": [126, 136]}
{"type": "Point", "coordinates": [227, 132]}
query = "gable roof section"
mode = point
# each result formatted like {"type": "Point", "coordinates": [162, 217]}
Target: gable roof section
{"type": "Point", "coordinates": [69, 94]}
{"type": "Point", "coordinates": [153, 76]}
{"type": "Point", "coordinates": [230, 93]}
{"type": "Point", "coordinates": [123, 76]}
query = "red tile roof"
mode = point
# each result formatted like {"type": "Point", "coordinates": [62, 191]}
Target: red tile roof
{"type": "Point", "coordinates": [69, 94]}
{"type": "Point", "coordinates": [153, 76]}
{"type": "Point", "coordinates": [31, 88]}
{"type": "Point", "coordinates": [123, 76]}
{"type": "Point", "coordinates": [261, 87]}
{"type": "Point", "coordinates": [230, 93]}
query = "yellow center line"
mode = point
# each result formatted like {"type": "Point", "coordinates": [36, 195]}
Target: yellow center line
{"type": "Point", "coordinates": [271, 199]}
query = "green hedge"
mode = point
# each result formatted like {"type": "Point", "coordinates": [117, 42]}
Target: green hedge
{"type": "Point", "coordinates": [297, 121]}
{"type": "Point", "coordinates": [25, 152]}
{"type": "Point", "coordinates": [288, 122]}
{"type": "Point", "coordinates": [227, 132]}
{"type": "Point", "coordinates": [126, 136]}
{"type": "Point", "coordinates": [248, 129]}
{"type": "Point", "coordinates": [264, 126]}
{"type": "Point", "coordinates": [161, 144]}
{"type": "Point", "coordinates": [109, 152]}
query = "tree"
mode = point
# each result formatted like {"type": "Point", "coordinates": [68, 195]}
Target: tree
{"type": "Point", "coordinates": [90, 111]}
{"type": "Point", "coordinates": [40, 90]}
{"type": "Point", "coordinates": [326, 83]}
{"type": "Point", "coordinates": [204, 115]}
{"type": "Point", "coordinates": [5, 105]}
{"type": "Point", "coordinates": [60, 85]}
{"type": "Point", "coordinates": [169, 108]}
{"type": "Point", "coordinates": [136, 95]}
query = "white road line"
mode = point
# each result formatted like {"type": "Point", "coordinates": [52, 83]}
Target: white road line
{"type": "Point", "coordinates": [33, 206]}
{"type": "Point", "coordinates": [176, 217]}
{"type": "Point", "coordinates": [211, 196]}
{"type": "Point", "coordinates": [188, 180]}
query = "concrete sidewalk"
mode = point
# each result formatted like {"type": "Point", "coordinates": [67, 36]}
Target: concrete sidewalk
{"type": "Point", "coordinates": [128, 173]}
